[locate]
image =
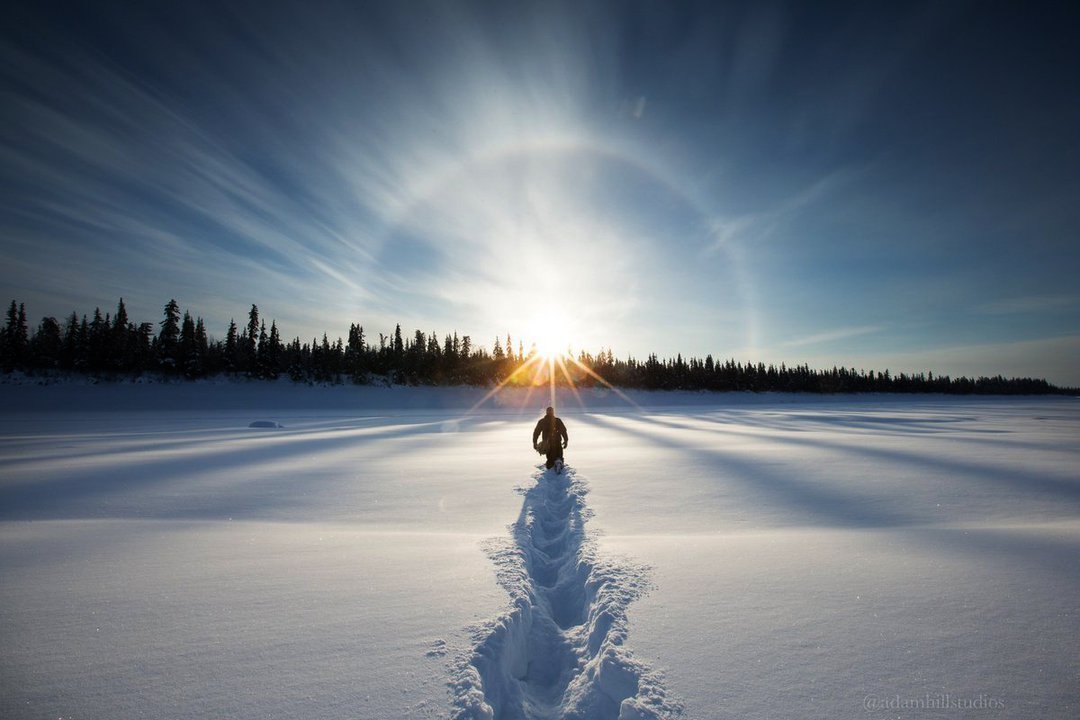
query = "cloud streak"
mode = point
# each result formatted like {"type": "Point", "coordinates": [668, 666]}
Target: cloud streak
{"type": "Point", "coordinates": [832, 336]}
{"type": "Point", "coordinates": [678, 181]}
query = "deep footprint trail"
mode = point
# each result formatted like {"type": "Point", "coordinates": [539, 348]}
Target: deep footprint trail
{"type": "Point", "coordinates": [558, 652]}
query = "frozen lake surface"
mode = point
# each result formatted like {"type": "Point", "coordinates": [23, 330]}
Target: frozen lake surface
{"type": "Point", "coordinates": [257, 551]}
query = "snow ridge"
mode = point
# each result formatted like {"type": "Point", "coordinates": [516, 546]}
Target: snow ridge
{"type": "Point", "coordinates": [558, 652]}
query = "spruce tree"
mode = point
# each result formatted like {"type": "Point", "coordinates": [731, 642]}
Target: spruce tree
{"type": "Point", "coordinates": [82, 358]}
{"type": "Point", "coordinates": [22, 339]}
{"type": "Point", "coordinates": [7, 338]}
{"type": "Point", "coordinates": [100, 332]}
{"type": "Point", "coordinates": [186, 353]}
{"type": "Point", "coordinates": [251, 342]}
{"type": "Point", "coordinates": [202, 345]}
{"type": "Point", "coordinates": [355, 364]}
{"type": "Point", "coordinates": [121, 319]}
{"type": "Point", "coordinates": [273, 352]}
{"type": "Point", "coordinates": [14, 344]}
{"type": "Point", "coordinates": [169, 338]}
{"type": "Point", "coordinates": [121, 356]}
{"type": "Point", "coordinates": [261, 352]}
{"type": "Point", "coordinates": [71, 342]}
{"type": "Point", "coordinates": [47, 345]}
{"type": "Point", "coordinates": [232, 347]}
{"type": "Point", "coordinates": [399, 345]}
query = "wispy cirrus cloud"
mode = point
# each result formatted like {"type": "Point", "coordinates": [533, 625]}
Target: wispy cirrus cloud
{"type": "Point", "coordinates": [1030, 304]}
{"type": "Point", "coordinates": [830, 336]}
{"type": "Point", "coordinates": [683, 179]}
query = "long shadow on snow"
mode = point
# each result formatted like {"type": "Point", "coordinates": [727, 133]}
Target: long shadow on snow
{"type": "Point", "coordinates": [821, 504]}
{"type": "Point", "coordinates": [100, 490]}
{"type": "Point", "coordinates": [785, 422]}
{"type": "Point", "coordinates": [1056, 554]}
{"type": "Point", "coordinates": [852, 509]}
{"type": "Point", "coordinates": [827, 419]}
{"type": "Point", "coordinates": [123, 445]}
{"type": "Point", "coordinates": [1066, 489]}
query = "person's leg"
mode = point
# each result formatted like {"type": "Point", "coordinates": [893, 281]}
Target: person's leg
{"type": "Point", "coordinates": [556, 455]}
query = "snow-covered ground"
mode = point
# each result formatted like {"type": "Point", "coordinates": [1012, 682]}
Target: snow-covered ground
{"type": "Point", "coordinates": [388, 553]}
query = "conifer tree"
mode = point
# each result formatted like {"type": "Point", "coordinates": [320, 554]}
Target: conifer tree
{"type": "Point", "coordinates": [188, 353]}
{"type": "Point", "coordinates": [355, 363]}
{"type": "Point", "coordinates": [121, 319]}
{"type": "Point", "coordinates": [47, 345]}
{"type": "Point", "coordinates": [249, 352]}
{"type": "Point", "coordinates": [121, 357]}
{"type": "Point", "coordinates": [399, 345]}
{"type": "Point", "coordinates": [7, 338]}
{"type": "Point", "coordinates": [22, 340]}
{"type": "Point", "coordinates": [273, 352]}
{"type": "Point", "coordinates": [14, 342]}
{"type": "Point", "coordinates": [262, 350]}
{"type": "Point", "coordinates": [169, 337]}
{"type": "Point", "coordinates": [82, 360]}
{"type": "Point", "coordinates": [71, 342]}
{"type": "Point", "coordinates": [100, 332]}
{"type": "Point", "coordinates": [202, 344]}
{"type": "Point", "coordinates": [232, 347]}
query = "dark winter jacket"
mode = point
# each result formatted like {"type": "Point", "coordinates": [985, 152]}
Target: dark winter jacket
{"type": "Point", "coordinates": [550, 427]}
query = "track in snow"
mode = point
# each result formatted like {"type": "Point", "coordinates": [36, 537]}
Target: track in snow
{"type": "Point", "coordinates": [558, 652]}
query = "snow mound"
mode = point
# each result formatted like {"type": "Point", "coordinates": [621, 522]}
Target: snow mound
{"type": "Point", "coordinates": [265, 424]}
{"type": "Point", "coordinates": [559, 651]}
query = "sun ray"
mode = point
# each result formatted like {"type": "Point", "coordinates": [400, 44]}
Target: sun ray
{"type": "Point", "coordinates": [551, 378]}
{"type": "Point", "coordinates": [495, 390]}
{"type": "Point", "coordinates": [570, 381]}
{"type": "Point", "coordinates": [536, 365]}
{"type": "Point", "coordinates": [595, 375]}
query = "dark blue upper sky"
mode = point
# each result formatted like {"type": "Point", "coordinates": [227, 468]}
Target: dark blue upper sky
{"type": "Point", "coordinates": [868, 184]}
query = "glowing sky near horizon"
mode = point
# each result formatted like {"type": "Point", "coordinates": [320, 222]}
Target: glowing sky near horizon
{"type": "Point", "coordinates": [832, 183]}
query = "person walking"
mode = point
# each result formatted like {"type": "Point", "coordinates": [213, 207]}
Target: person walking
{"type": "Point", "coordinates": [553, 438]}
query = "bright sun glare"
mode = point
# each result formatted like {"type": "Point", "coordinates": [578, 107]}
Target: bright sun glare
{"type": "Point", "coordinates": [549, 334]}
{"type": "Point", "coordinates": [549, 348]}
{"type": "Point", "coordinates": [551, 363]}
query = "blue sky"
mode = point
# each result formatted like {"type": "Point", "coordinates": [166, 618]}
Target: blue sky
{"type": "Point", "coordinates": [866, 184]}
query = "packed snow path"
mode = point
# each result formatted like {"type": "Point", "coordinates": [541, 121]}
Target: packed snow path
{"type": "Point", "coordinates": [558, 653]}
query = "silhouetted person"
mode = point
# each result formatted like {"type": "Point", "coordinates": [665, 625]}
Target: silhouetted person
{"type": "Point", "coordinates": [553, 437]}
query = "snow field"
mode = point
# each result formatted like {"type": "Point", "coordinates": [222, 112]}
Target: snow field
{"type": "Point", "coordinates": [131, 618]}
{"type": "Point", "coordinates": [734, 556]}
{"type": "Point", "coordinates": [805, 559]}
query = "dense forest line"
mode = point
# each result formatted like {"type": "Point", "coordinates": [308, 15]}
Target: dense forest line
{"type": "Point", "coordinates": [112, 345]}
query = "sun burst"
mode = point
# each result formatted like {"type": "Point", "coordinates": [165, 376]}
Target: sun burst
{"type": "Point", "coordinates": [549, 336]}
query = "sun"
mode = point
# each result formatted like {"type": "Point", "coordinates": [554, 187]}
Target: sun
{"type": "Point", "coordinates": [548, 334]}
{"type": "Point", "coordinates": [550, 348]}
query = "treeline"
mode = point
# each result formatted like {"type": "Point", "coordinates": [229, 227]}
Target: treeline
{"type": "Point", "coordinates": [178, 345]}
{"type": "Point", "coordinates": [110, 344]}
{"type": "Point", "coordinates": [708, 374]}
